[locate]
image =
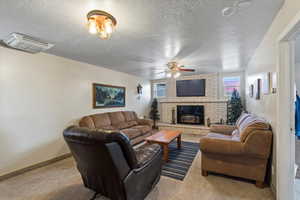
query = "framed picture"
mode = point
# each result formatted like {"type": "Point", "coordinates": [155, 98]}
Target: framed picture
{"type": "Point", "coordinates": [266, 83]}
{"type": "Point", "coordinates": [273, 82]}
{"type": "Point", "coordinates": [251, 90]}
{"type": "Point", "coordinates": [257, 88]}
{"type": "Point", "coordinates": [108, 96]}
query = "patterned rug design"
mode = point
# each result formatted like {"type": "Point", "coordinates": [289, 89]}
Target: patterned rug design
{"type": "Point", "coordinates": [180, 160]}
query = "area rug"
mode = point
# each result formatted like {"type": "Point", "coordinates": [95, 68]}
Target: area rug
{"type": "Point", "coordinates": [180, 160]}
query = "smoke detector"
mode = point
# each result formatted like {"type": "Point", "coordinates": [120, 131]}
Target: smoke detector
{"type": "Point", "coordinates": [26, 43]}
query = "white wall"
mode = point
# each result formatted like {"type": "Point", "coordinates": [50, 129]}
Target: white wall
{"type": "Point", "coordinates": [264, 60]}
{"type": "Point", "coordinates": [41, 94]}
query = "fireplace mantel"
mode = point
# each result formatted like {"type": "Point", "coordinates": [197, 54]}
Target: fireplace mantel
{"type": "Point", "coordinates": [191, 100]}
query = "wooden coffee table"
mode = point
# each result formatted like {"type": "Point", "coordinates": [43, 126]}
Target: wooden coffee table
{"type": "Point", "coordinates": [164, 138]}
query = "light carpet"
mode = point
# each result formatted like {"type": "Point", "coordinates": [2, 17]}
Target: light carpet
{"type": "Point", "coordinates": [61, 181]}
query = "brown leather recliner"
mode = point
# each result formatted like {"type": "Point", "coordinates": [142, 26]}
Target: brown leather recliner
{"type": "Point", "coordinates": [110, 166]}
{"type": "Point", "coordinates": [242, 150]}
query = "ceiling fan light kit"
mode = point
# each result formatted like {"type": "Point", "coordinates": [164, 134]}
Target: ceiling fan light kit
{"type": "Point", "coordinates": [174, 70]}
{"type": "Point", "coordinates": [177, 74]}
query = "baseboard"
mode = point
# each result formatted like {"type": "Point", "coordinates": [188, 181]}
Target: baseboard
{"type": "Point", "coordinates": [35, 166]}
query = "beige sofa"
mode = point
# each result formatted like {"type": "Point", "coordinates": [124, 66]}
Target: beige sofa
{"type": "Point", "coordinates": [125, 121]}
{"type": "Point", "coordinates": [242, 150]}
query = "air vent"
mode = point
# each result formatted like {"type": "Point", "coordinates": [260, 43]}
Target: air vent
{"type": "Point", "coordinates": [26, 43]}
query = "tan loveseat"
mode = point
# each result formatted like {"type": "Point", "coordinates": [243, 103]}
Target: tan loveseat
{"type": "Point", "coordinates": [242, 150]}
{"type": "Point", "coordinates": [125, 121]}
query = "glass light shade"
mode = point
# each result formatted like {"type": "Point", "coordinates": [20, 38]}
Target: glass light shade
{"type": "Point", "coordinates": [93, 28]}
{"type": "Point", "coordinates": [104, 35]}
{"type": "Point", "coordinates": [169, 75]}
{"type": "Point", "coordinates": [177, 74]}
{"type": "Point", "coordinates": [108, 26]}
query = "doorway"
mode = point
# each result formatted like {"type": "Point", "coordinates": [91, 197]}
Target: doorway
{"type": "Point", "coordinates": [285, 137]}
{"type": "Point", "coordinates": [297, 118]}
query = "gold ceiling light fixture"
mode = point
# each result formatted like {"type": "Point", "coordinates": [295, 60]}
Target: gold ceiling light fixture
{"type": "Point", "coordinates": [101, 23]}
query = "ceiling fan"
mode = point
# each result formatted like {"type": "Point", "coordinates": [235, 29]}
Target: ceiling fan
{"type": "Point", "coordinates": [174, 69]}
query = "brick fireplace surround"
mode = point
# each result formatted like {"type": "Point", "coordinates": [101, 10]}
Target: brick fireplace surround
{"type": "Point", "coordinates": [214, 107]}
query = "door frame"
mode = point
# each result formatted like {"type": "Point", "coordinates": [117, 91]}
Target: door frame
{"type": "Point", "coordinates": [285, 137]}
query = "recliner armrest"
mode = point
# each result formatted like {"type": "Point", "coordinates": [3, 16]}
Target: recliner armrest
{"type": "Point", "coordinates": [141, 180]}
{"type": "Point", "coordinates": [223, 129]}
{"type": "Point", "coordinates": [148, 122]}
{"type": "Point", "coordinates": [157, 155]}
{"type": "Point", "coordinates": [219, 146]}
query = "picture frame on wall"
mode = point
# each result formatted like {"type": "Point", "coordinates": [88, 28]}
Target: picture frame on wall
{"type": "Point", "coordinates": [273, 82]}
{"type": "Point", "coordinates": [108, 96]}
{"type": "Point", "coordinates": [257, 88]}
{"type": "Point", "coordinates": [266, 83]}
{"type": "Point", "coordinates": [251, 90]}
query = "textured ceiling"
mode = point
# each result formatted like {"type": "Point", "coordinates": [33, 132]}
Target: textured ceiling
{"type": "Point", "coordinates": [149, 32]}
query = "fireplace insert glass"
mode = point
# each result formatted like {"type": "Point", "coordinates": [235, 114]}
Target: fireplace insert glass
{"type": "Point", "coordinates": [190, 114]}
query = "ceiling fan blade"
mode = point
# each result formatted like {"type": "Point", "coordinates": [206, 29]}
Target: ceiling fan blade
{"type": "Point", "coordinates": [187, 70]}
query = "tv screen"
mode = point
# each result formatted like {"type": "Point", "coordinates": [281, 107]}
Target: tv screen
{"type": "Point", "coordinates": [190, 88]}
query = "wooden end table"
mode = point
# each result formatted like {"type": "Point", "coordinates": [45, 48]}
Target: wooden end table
{"type": "Point", "coordinates": [164, 138]}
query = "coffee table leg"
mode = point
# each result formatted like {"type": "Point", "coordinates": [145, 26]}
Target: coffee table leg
{"type": "Point", "coordinates": [166, 152]}
{"type": "Point", "coordinates": [179, 142]}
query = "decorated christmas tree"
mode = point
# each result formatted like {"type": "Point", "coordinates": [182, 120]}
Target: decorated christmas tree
{"type": "Point", "coordinates": [154, 115]}
{"type": "Point", "coordinates": [234, 108]}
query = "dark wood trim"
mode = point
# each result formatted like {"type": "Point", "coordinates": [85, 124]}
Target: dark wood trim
{"type": "Point", "coordinates": [204, 172]}
{"type": "Point", "coordinates": [94, 95]}
{"type": "Point", "coordinates": [35, 166]}
{"type": "Point", "coordinates": [260, 184]}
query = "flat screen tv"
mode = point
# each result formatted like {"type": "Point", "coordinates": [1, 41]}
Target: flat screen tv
{"type": "Point", "coordinates": [190, 88]}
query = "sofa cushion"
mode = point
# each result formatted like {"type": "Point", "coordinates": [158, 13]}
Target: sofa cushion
{"type": "Point", "coordinates": [122, 125]}
{"type": "Point", "coordinates": [132, 123]}
{"type": "Point", "coordinates": [146, 153]}
{"type": "Point", "coordinates": [252, 123]}
{"type": "Point", "coordinates": [235, 136]}
{"type": "Point", "coordinates": [224, 129]}
{"type": "Point", "coordinates": [109, 128]}
{"type": "Point", "coordinates": [219, 136]}
{"type": "Point", "coordinates": [101, 120]}
{"type": "Point", "coordinates": [116, 117]}
{"type": "Point", "coordinates": [129, 116]}
{"type": "Point", "coordinates": [87, 122]}
{"type": "Point", "coordinates": [143, 128]}
{"type": "Point", "coordinates": [131, 132]}
{"type": "Point", "coordinates": [118, 120]}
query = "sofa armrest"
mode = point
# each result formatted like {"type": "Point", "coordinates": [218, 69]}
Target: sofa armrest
{"type": "Point", "coordinates": [148, 122]}
{"type": "Point", "coordinates": [220, 146]}
{"type": "Point", "coordinates": [259, 143]}
{"type": "Point", "coordinates": [223, 129]}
